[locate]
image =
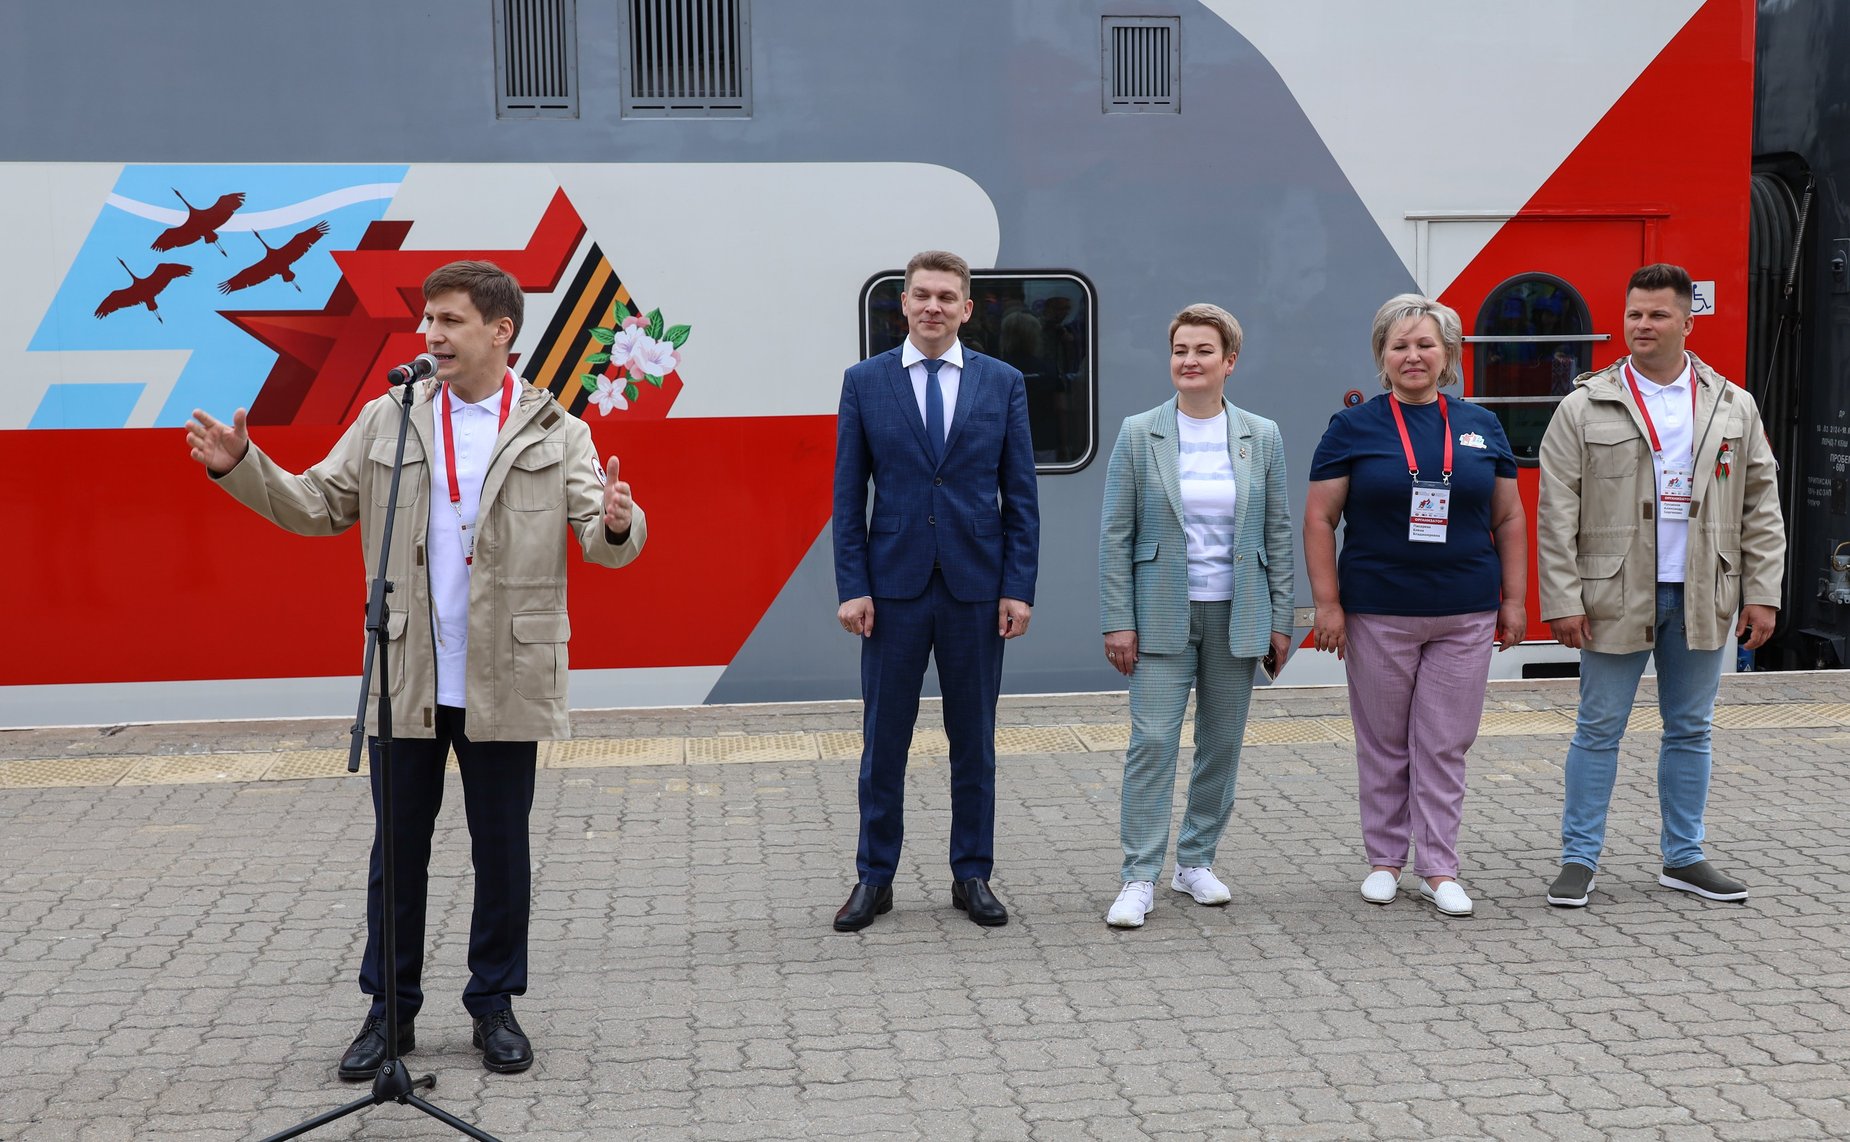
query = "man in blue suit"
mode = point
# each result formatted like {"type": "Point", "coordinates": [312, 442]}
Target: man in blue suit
{"type": "Point", "coordinates": [947, 561]}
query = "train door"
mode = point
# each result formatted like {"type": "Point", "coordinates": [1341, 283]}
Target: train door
{"type": "Point", "coordinates": [1542, 303]}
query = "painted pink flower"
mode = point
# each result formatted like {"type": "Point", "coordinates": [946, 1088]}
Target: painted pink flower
{"type": "Point", "coordinates": [657, 358]}
{"type": "Point", "coordinates": [623, 348]}
{"type": "Point", "coordinates": [609, 395]}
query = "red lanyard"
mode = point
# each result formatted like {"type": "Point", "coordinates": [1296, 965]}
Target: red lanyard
{"type": "Point", "coordinates": [449, 431]}
{"type": "Point", "coordinates": [1400, 422]}
{"type": "Point", "coordinates": [1638, 399]}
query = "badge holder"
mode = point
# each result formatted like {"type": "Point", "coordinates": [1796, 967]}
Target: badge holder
{"type": "Point", "coordinates": [393, 1083]}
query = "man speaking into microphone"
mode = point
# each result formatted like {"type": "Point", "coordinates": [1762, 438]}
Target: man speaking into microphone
{"type": "Point", "coordinates": [494, 471]}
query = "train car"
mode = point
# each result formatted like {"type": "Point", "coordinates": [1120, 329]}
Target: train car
{"type": "Point", "coordinates": [220, 206]}
{"type": "Point", "coordinates": [1799, 339]}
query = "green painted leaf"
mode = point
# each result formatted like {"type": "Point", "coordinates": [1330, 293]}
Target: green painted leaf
{"type": "Point", "coordinates": [598, 359]}
{"type": "Point", "coordinates": [656, 381]}
{"type": "Point", "coordinates": [587, 380]}
{"type": "Point", "coordinates": [631, 392]}
{"type": "Point", "coordinates": [678, 334]}
{"type": "Point", "coordinates": [603, 336]}
{"type": "Point", "coordinates": [655, 324]}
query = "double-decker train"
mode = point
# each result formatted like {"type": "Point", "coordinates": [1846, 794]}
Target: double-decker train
{"type": "Point", "coordinates": [223, 206]}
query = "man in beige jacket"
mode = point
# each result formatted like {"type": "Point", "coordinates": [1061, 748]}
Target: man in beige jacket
{"type": "Point", "coordinates": [495, 471]}
{"type": "Point", "coordinates": [1659, 520]}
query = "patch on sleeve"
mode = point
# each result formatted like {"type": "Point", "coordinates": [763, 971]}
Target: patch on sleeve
{"type": "Point", "coordinates": [599, 469]}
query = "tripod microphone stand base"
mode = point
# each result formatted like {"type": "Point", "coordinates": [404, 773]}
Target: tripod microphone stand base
{"type": "Point", "coordinates": [393, 1083]}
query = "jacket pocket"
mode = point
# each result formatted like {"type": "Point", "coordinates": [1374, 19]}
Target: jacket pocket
{"type": "Point", "coordinates": [1612, 449]}
{"type": "Point", "coordinates": [379, 456]}
{"type": "Point", "coordinates": [986, 525]}
{"type": "Point", "coordinates": [536, 481]}
{"type": "Point", "coordinates": [1144, 552]}
{"type": "Point", "coordinates": [539, 653]}
{"type": "Point", "coordinates": [1602, 588]}
{"type": "Point", "coordinates": [1727, 584]}
{"type": "Point", "coordinates": [395, 626]}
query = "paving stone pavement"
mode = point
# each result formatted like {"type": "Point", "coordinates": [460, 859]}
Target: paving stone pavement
{"type": "Point", "coordinates": [178, 942]}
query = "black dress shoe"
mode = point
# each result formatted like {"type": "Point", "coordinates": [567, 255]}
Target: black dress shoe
{"type": "Point", "coordinates": [864, 903]}
{"type": "Point", "coordinates": [505, 1048]}
{"type": "Point", "coordinates": [974, 897]}
{"type": "Point", "coordinates": [367, 1052]}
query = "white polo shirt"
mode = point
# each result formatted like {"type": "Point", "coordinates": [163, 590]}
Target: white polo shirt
{"type": "Point", "coordinates": [1670, 415]}
{"type": "Point", "coordinates": [476, 427]}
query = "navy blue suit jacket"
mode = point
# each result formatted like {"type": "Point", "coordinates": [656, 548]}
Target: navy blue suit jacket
{"type": "Point", "coordinates": [975, 514]}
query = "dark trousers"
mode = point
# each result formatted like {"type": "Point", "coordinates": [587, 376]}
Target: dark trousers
{"type": "Point", "coordinates": [497, 781]}
{"type": "Point", "coordinates": [962, 638]}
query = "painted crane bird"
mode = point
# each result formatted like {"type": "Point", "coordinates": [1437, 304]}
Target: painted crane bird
{"type": "Point", "coordinates": [277, 261]}
{"type": "Point", "coordinates": [143, 291]}
{"type": "Point", "coordinates": [201, 223]}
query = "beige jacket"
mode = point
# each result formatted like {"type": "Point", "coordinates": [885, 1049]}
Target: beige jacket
{"type": "Point", "coordinates": [544, 478]}
{"type": "Point", "coordinates": [1596, 530]}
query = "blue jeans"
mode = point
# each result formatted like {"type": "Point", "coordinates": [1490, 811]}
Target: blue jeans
{"type": "Point", "coordinates": [1686, 684]}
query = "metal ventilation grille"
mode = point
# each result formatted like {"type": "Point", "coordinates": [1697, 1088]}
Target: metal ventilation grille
{"type": "Point", "coordinates": [1142, 60]}
{"type": "Point", "coordinates": [687, 57]}
{"type": "Point", "coordinates": [536, 59]}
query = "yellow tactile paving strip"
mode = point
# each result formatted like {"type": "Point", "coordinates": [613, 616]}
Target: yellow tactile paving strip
{"type": "Point", "coordinates": [1498, 723]}
{"type": "Point", "coordinates": [831, 746]}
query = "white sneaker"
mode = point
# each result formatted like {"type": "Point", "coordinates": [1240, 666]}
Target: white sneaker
{"type": "Point", "coordinates": [1201, 883]}
{"type": "Point", "coordinates": [1132, 905]}
{"type": "Point", "coordinates": [1448, 898]}
{"type": "Point", "coordinates": [1381, 887]}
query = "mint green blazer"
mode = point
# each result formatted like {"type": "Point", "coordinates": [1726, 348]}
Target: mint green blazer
{"type": "Point", "coordinates": [1143, 551]}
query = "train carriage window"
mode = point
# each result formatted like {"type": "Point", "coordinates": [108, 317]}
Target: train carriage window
{"type": "Point", "coordinates": [1041, 322]}
{"type": "Point", "coordinates": [1534, 336]}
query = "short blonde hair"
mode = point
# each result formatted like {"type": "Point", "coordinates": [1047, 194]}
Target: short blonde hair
{"type": "Point", "coordinates": [1413, 307]}
{"type": "Point", "coordinates": [944, 262]}
{"type": "Point", "coordinates": [1213, 316]}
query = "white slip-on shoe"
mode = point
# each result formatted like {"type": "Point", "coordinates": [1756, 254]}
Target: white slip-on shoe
{"type": "Point", "coordinates": [1200, 882]}
{"type": "Point", "coordinates": [1448, 898]}
{"type": "Point", "coordinates": [1132, 904]}
{"type": "Point", "coordinates": [1381, 887]}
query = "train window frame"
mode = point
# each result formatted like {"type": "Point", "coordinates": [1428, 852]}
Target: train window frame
{"type": "Point", "coordinates": [1088, 383]}
{"type": "Point", "coordinates": [1486, 317]}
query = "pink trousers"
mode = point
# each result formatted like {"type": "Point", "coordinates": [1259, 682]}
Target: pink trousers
{"type": "Point", "coordinates": [1416, 694]}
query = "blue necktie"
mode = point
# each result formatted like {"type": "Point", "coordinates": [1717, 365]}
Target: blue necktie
{"type": "Point", "coordinates": [934, 411]}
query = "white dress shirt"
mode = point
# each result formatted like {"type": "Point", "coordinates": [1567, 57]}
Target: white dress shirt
{"type": "Point", "coordinates": [1670, 415]}
{"type": "Point", "coordinates": [949, 374]}
{"type": "Point", "coordinates": [476, 426]}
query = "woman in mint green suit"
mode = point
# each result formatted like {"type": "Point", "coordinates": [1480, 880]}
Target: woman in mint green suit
{"type": "Point", "coordinates": [1195, 587]}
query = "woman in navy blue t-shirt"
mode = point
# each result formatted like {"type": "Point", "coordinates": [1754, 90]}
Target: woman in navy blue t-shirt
{"type": "Point", "coordinates": [1433, 570]}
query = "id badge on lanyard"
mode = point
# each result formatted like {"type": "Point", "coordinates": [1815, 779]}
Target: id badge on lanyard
{"type": "Point", "coordinates": [1676, 482]}
{"type": "Point", "coordinates": [1674, 488]}
{"type": "Point", "coordinates": [1430, 510]}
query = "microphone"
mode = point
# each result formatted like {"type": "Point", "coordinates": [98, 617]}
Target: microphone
{"type": "Point", "coordinates": [422, 366]}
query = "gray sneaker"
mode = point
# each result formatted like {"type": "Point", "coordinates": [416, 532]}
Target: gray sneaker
{"type": "Point", "coordinates": [1571, 887]}
{"type": "Point", "coordinates": [1703, 879]}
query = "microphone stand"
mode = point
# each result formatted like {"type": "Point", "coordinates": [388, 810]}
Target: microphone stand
{"type": "Point", "coordinates": [393, 1083]}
